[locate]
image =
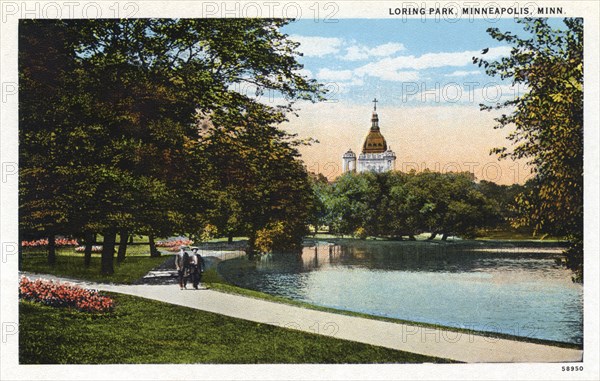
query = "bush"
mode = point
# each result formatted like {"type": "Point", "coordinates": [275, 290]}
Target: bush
{"type": "Point", "coordinates": [209, 232]}
{"type": "Point", "coordinates": [360, 233]}
{"type": "Point", "coordinates": [266, 237]}
{"type": "Point", "coordinates": [56, 294]}
{"type": "Point", "coordinates": [279, 236]}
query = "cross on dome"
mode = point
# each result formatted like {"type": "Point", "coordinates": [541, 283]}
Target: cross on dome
{"type": "Point", "coordinates": [375, 104]}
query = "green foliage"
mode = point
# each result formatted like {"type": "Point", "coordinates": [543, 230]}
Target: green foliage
{"type": "Point", "coordinates": [209, 232]}
{"type": "Point", "coordinates": [135, 125]}
{"type": "Point", "coordinates": [259, 182]}
{"type": "Point", "coordinates": [267, 237]}
{"type": "Point", "coordinates": [548, 126]}
{"type": "Point", "coordinates": [360, 233]}
{"type": "Point", "coordinates": [142, 331]}
{"type": "Point", "coordinates": [396, 204]}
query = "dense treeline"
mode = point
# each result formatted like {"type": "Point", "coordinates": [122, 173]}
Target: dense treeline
{"type": "Point", "coordinates": [134, 126]}
{"type": "Point", "coordinates": [397, 205]}
{"type": "Point", "coordinates": [546, 123]}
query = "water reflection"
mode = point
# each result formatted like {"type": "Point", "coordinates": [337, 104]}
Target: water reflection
{"type": "Point", "coordinates": [518, 291]}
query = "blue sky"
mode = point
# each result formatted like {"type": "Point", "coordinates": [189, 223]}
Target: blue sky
{"type": "Point", "coordinates": [386, 58]}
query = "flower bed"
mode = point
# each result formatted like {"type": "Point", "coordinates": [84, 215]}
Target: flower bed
{"type": "Point", "coordinates": [95, 249]}
{"type": "Point", "coordinates": [58, 294]}
{"type": "Point", "coordinates": [44, 242]}
{"type": "Point", "coordinates": [173, 245]}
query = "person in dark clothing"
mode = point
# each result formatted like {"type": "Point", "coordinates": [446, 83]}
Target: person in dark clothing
{"type": "Point", "coordinates": [182, 264]}
{"type": "Point", "coordinates": [197, 267]}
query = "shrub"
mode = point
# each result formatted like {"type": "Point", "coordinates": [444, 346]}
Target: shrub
{"type": "Point", "coordinates": [266, 237]}
{"type": "Point", "coordinates": [360, 233]}
{"type": "Point", "coordinates": [279, 236]}
{"type": "Point", "coordinates": [58, 294]}
{"type": "Point", "coordinates": [209, 232]}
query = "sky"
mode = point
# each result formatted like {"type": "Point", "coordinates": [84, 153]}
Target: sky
{"type": "Point", "coordinates": [427, 87]}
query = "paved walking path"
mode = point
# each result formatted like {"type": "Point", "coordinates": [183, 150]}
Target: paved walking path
{"type": "Point", "coordinates": [426, 341]}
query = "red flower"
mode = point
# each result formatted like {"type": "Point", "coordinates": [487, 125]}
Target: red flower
{"type": "Point", "coordinates": [64, 295]}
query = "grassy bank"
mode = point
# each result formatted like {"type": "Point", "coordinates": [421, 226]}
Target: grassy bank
{"type": "Point", "coordinates": [141, 331]}
{"type": "Point", "coordinates": [458, 244]}
{"type": "Point", "coordinates": [70, 264]}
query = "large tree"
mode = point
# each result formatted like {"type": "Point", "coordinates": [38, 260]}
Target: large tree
{"type": "Point", "coordinates": [45, 61]}
{"type": "Point", "coordinates": [260, 180]}
{"type": "Point", "coordinates": [128, 139]}
{"type": "Point", "coordinates": [547, 119]}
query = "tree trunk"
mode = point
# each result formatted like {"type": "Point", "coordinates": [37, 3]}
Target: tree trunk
{"type": "Point", "coordinates": [51, 250]}
{"type": "Point", "coordinates": [131, 238]}
{"type": "Point", "coordinates": [87, 253]}
{"type": "Point", "coordinates": [444, 236]}
{"type": "Point", "coordinates": [123, 237]}
{"type": "Point", "coordinates": [108, 251]}
{"type": "Point", "coordinates": [153, 251]}
{"type": "Point", "coordinates": [230, 239]}
{"type": "Point", "coordinates": [411, 237]}
{"type": "Point", "coordinates": [432, 236]}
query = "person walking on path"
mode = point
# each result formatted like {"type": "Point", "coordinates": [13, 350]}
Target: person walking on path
{"type": "Point", "coordinates": [182, 266]}
{"type": "Point", "coordinates": [197, 265]}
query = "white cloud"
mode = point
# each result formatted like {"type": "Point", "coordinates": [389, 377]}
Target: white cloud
{"type": "Point", "coordinates": [314, 46]}
{"type": "Point", "coordinates": [334, 75]}
{"type": "Point", "coordinates": [463, 73]}
{"type": "Point", "coordinates": [404, 68]}
{"type": "Point", "coordinates": [362, 52]}
{"type": "Point", "coordinates": [392, 75]}
{"type": "Point", "coordinates": [396, 69]}
{"type": "Point", "coordinates": [343, 87]}
{"type": "Point", "coordinates": [355, 53]}
{"type": "Point", "coordinates": [387, 49]}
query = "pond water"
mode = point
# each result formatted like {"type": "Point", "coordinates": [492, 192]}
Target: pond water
{"type": "Point", "coordinates": [515, 290]}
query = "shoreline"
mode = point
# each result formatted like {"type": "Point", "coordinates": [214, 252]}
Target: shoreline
{"type": "Point", "coordinates": [499, 246]}
{"type": "Point", "coordinates": [230, 288]}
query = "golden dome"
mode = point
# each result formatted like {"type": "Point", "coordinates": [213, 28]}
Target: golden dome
{"type": "Point", "coordinates": [374, 142]}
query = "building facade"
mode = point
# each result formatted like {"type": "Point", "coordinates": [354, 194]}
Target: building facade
{"type": "Point", "coordinates": [375, 156]}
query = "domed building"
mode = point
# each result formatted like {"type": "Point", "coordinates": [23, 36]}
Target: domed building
{"type": "Point", "coordinates": [375, 155]}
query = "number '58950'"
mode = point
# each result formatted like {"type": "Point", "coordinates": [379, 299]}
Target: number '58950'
{"type": "Point", "coordinates": [572, 368]}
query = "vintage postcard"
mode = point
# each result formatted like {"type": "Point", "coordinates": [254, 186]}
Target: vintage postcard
{"type": "Point", "coordinates": [299, 190]}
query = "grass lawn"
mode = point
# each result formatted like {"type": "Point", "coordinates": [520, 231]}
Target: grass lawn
{"type": "Point", "coordinates": [141, 331]}
{"type": "Point", "coordinates": [70, 264]}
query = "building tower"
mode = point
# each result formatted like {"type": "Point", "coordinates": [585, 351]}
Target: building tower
{"type": "Point", "coordinates": [375, 156]}
{"type": "Point", "coordinates": [349, 161]}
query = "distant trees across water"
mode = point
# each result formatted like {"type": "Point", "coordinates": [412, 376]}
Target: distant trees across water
{"type": "Point", "coordinates": [401, 205]}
